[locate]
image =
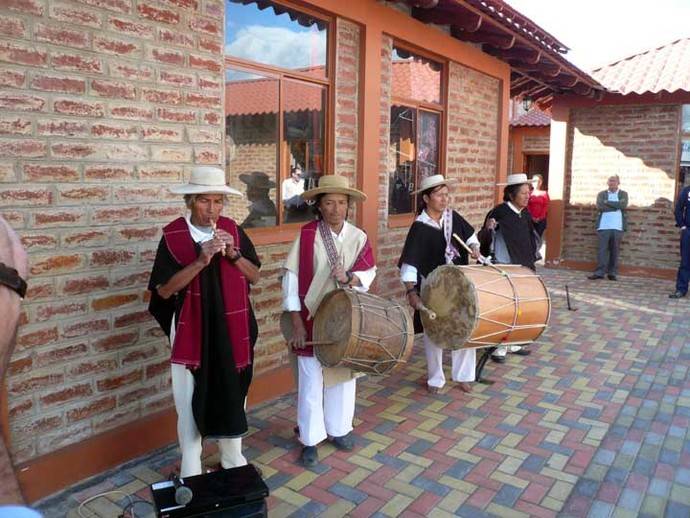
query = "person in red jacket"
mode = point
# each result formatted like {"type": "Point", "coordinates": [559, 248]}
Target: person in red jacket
{"type": "Point", "coordinates": [538, 204]}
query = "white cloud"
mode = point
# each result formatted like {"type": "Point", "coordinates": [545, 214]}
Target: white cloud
{"type": "Point", "coordinates": [279, 46]}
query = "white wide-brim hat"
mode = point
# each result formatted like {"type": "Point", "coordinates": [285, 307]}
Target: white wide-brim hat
{"type": "Point", "coordinates": [334, 184]}
{"type": "Point", "coordinates": [515, 179]}
{"type": "Point", "coordinates": [432, 181]}
{"type": "Point", "coordinates": [205, 180]}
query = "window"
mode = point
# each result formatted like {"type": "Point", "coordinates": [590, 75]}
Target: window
{"type": "Point", "coordinates": [415, 126]}
{"type": "Point", "coordinates": [684, 173]}
{"type": "Point", "coordinates": [276, 92]}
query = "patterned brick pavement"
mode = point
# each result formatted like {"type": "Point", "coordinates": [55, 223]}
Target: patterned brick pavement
{"type": "Point", "coordinates": [594, 423]}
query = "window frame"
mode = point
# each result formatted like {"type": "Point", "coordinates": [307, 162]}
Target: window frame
{"type": "Point", "coordinates": [682, 135]}
{"type": "Point", "coordinates": [441, 108]}
{"type": "Point", "coordinates": [283, 232]}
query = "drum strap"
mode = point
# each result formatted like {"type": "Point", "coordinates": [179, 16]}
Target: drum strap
{"type": "Point", "coordinates": [328, 243]}
{"type": "Point", "coordinates": [451, 252]}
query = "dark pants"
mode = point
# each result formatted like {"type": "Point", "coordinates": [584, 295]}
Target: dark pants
{"type": "Point", "coordinates": [607, 258]}
{"type": "Point", "coordinates": [684, 270]}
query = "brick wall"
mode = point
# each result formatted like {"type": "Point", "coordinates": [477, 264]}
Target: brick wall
{"type": "Point", "coordinates": [471, 158]}
{"type": "Point", "coordinates": [640, 144]}
{"type": "Point", "coordinates": [536, 143]}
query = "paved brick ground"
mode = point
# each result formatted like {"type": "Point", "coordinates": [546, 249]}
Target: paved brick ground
{"type": "Point", "coordinates": [594, 423]}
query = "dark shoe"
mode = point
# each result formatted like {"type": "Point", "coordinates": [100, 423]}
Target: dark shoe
{"type": "Point", "coordinates": [612, 277]}
{"type": "Point", "coordinates": [677, 295]}
{"type": "Point", "coordinates": [595, 277]}
{"type": "Point", "coordinates": [498, 359]}
{"type": "Point", "coordinates": [344, 443]}
{"type": "Point", "coordinates": [523, 352]}
{"type": "Point", "coordinates": [464, 386]}
{"type": "Point", "coordinates": [296, 430]}
{"type": "Point", "coordinates": [309, 456]}
{"type": "Point", "coordinates": [433, 390]}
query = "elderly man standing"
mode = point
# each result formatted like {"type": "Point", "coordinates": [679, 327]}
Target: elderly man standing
{"type": "Point", "coordinates": [682, 214]}
{"type": "Point", "coordinates": [200, 297]}
{"type": "Point", "coordinates": [611, 224]}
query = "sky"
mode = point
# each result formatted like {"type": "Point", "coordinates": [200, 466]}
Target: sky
{"type": "Point", "coordinates": [600, 32]}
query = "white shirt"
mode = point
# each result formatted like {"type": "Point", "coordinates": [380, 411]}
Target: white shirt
{"type": "Point", "coordinates": [291, 300]}
{"type": "Point", "coordinates": [408, 273]}
{"type": "Point", "coordinates": [291, 188]}
{"type": "Point", "coordinates": [611, 220]}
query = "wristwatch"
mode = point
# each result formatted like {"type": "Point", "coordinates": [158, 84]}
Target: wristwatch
{"type": "Point", "coordinates": [10, 278]}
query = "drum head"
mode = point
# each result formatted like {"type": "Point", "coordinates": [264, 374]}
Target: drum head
{"type": "Point", "coordinates": [452, 296]}
{"type": "Point", "coordinates": [333, 323]}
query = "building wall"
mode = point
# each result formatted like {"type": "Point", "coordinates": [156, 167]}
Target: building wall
{"type": "Point", "coordinates": [640, 144]}
{"type": "Point", "coordinates": [526, 139]}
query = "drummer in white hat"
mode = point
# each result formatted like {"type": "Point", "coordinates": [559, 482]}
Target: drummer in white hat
{"type": "Point", "coordinates": [328, 253]}
{"type": "Point", "coordinates": [509, 236]}
{"type": "Point", "coordinates": [200, 297]}
{"type": "Point", "coordinates": [432, 241]}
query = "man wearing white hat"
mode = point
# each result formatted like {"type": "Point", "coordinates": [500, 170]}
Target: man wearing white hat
{"type": "Point", "coordinates": [509, 236]}
{"type": "Point", "coordinates": [430, 244]}
{"type": "Point", "coordinates": [328, 253]}
{"type": "Point", "coordinates": [200, 297]}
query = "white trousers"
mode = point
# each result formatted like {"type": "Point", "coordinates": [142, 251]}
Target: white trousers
{"type": "Point", "coordinates": [502, 350]}
{"type": "Point", "coordinates": [322, 411]}
{"type": "Point", "coordinates": [463, 364]}
{"type": "Point", "coordinates": [187, 433]}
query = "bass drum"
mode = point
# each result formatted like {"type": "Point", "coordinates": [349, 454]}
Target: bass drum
{"type": "Point", "coordinates": [364, 332]}
{"type": "Point", "coordinates": [484, 306]}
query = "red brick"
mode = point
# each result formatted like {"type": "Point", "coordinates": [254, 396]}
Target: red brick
{"type": "Point", "coordinates": [115, 342]}
{"type": "Point", "coordinates": [59, 218]}
{"type": "Point", "coordinates": [158, 404]}
{"type": "Point", "coordinates": [162, 213]}
{"type": "Point", "coordinates": [108, 172]}
{"type": "Point", "coordinates": [131, 28]}
{"type": "Point", "coordinates": [131, 112]}
{"type": "Point", "coordinates": [38, 426]}
{"type": "Point", "coordinates": [14, 218]}
{"type": "Point", "coordinates": [135, 194]}
{"type": "Point", "coordinates": [121, 380]}
{"type": "Point", "coordinates": [12, 78]}
{"type": "Point", "coordinates": [79, 108]}
{"type": "Point", "coordinates": [184, 4]}
{"type": "Point", "coordinates": [139, 354]}
{"type": "Point", "coordinates": [84, 194]}
{"type": "Point", "coordinates": [14, 125]}
{"type": "Point", "coordinates": [213, 118]}
{"type": "Point", "coordinates": [21, 102]}
{"type": "Point", "coordinates": [61, 354]}
{"type": "Point", "coordinates": [135, 317]}
{"type": "Point", "coordinates": [49, 311]}
{"type": "Point", "coordinates": [171, 154]}
{"type": "Point", "coordinates": [90, 409]}
{"type": "Point", "coordinates": [12, 27]}
{"type": "Point", "coordinates": [119, 6]}
{"type": "Point", "coordinates": [20, 366]}
{"type": "Point", "coordinates": [20, 408]}
{"type": "Point", "coordinates": [25, 196]}
{"type": "Point", "coordinates": [206, 25]}
{"type": "Point", "coordinates": [115, 419]}
{"type": "Point", "coordinates": [120, 47]}
{"type": "Point", "coordinates": [115, 215]}
{"type": "Point", "coordinates": [74, 15]}
{"type": "Point", "coordinates": [25, 148]}
{"type": "Point", "coordinates": [174, 37]}
{"type": "Point", "coordinates": [157, 95]}
{"type": "Point", "coordinates": [157, 369]}
{"type": "Point", "coordinates": [122, 152]}
{"type": "Point", "coordinates": [157, 14]}
{"type": "Point", "coordinates": [22, 54]}
{"type": "Point", "coordinates": [85, 238]}
{"type": "Point", "coordinates": [163, 133]}
{"type": "Point", "coordinates": [176, 79]}
{"type": "Point", "coordinates": [114, 131]}
{"type": "Point", "coordinates": [77, 62]}
{"type": "Point", "coordinates": [167, 56]}
{"type": "Point", "coordinates": [36, 382]}
{"type": "Point", "coordinates": [113, 89]}
{"type": "Point", "coordinates": [138, 234]}
{"type": "Point", "coordinates": [34, 336]}
{"type": "Point", "coordinates": [40, 290]}
{"type": "Point", "coordinates": [211, 45]}
{"type": "Point", "coordinates": [65, 395]}
{"type": "Point", "coordinates": [176, 115]}
{"type": "Point", "coordinates": [72, 150]}
{"type": "Point", "coordinates": [38, 241]}
{"type": "Point", "coordinates": [113, 301]}
{"type": "Point", "coordinates": [111, 257]}
{"type": "Point", "coordinates": [203, 63]}
{"type": "Point", "coordinates": [137, 395]}
{"type": "Point", "coordinates": [85, 327]}
{"type": "Point", "coordinates": [55, 263]}
{"type": "Point", "coordinates": [206, 155]}
{"type": "Point", "coordinates": [159, 173]}
{"type": "Point", "coordinates": [61, 36]}
{"type": "Point", "coordinates": [131, 279]}
{"type": "Point", "coordinates": [129, 71]}
{"type": "Point", "coordinates": [92, 367]}
{"type": "Point", "coordinates": [24, 6]}
{"type": "Point", "coordinates": [202, 101]}
{"type": "Point", "coordinates": [62, 127]}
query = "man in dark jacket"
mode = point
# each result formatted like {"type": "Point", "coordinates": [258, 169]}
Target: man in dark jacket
{"type": "Point", "coordinates": [683, 221]}
{"type": "Point", "coordinates": [611, 224]}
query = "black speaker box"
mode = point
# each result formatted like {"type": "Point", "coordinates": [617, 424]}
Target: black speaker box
{"type": "Point", "coordinates": [227, 493]}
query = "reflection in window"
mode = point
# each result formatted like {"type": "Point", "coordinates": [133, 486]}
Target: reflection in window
{"type": "Point", "coordinates": [684, 173]}
{"type": "Point", "coordinates": [275, 35]}
{"type": "Point", "coordinates": [415, 77]}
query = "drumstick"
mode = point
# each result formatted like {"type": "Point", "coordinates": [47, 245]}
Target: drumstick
{"type": "Point", "coordinates": [431, 314]}
{"type": "Point", "coordinates": [469, 250]}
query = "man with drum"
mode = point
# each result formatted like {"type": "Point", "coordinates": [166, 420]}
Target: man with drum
{"type": "Point", "coordinates": [509, 236]}
{"type": "Point", "coordinates": [430, 243]}
{"type": "Point", "coordinates": [329, 253]}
